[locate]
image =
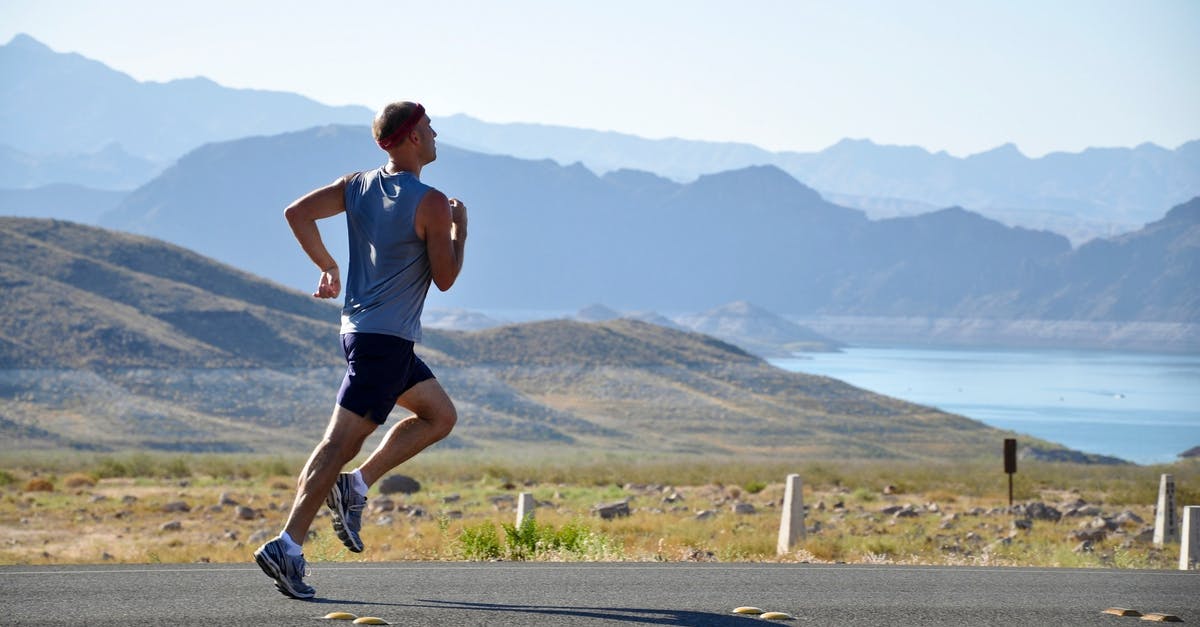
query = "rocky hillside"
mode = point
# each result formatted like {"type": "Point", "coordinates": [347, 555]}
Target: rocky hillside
{"type": "Point", "coordinates": [79, 296]}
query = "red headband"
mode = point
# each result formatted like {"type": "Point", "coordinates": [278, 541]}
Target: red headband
{"type": "Point", "coordinates": [401, 133]}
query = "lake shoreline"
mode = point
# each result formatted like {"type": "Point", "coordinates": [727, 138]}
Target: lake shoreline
{"type": "Point", "coordinates": [995, 334]}
{"type": "Point", "coordinates": [1139, 406]}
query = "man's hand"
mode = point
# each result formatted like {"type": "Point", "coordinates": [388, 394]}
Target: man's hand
{"type": "Point", "coordinates": [458, 215]}
{"type": "Point", "coordinates": [330, 285]}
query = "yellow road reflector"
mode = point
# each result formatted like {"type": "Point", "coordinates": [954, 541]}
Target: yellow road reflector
{"type": "Point", "coordinates": [747, 609]}
{"type": "Point", "coordinates": [370, 620]}
{"type": "Point", "coordinates": [1162, 618]}
{"type": "Point", "coordinates": [777, 616]}
{"type": "Point", "coordinates": [340, 616]}
{"type": "Point", "coordinates": [1121, 611]}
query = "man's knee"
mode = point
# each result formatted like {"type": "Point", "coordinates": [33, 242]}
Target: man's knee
{"type": "Point", "coordinates": [430, 403]}
{"type": "Point", "coordinates": [443, 418]}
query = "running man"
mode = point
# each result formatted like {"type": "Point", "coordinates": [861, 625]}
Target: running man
{"type": "Point", "coordinates": [403, 236]}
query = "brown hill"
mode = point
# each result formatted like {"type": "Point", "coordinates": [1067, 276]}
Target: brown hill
{"type": "Point", "coordinates": [110, 341]}
{"type": "Point", "coordinates": [79, 296]}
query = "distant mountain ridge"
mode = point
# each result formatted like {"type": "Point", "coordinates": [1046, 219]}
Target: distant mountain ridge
{"type": "Point", "coordinates": [130, 130]}
{"type": "Point", "coordinates": [552, 237]}
{"type": "Point", "coordinates": [62, 201]}
{"type": "Point", "coordinates": [109, 168]}
{"type": "Point", "coordinates": [1083, 195]}
{"type": "Point", "coordinates": [112, 341]}
{"type": "Point", "coordinates": [55, 103]}
{"type": "Point", "coordinates": [758, 330]}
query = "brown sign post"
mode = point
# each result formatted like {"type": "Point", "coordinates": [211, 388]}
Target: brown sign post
{"type": "Point", "coordinates": [1010, 464]}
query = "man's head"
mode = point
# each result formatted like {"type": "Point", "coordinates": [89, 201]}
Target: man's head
{"type": "Point", "coordinates": [395, 122]}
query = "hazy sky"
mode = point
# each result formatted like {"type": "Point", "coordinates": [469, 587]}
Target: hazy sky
{"type": "Point", "coordinates": [957, 75]}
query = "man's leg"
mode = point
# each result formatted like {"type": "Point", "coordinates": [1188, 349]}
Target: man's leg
{"type": "Point", "coordinates": [343, 440]}
{"type": "Point", "coordinates": [434, 417]}
{"type": "Point", "coordinates": [281, 559]}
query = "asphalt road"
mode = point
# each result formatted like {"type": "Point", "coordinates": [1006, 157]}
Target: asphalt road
{"type": "Point", "coordinates": [437, 593]}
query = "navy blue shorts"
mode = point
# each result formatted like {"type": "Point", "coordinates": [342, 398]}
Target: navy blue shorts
{"type": "Point", "coordinates": [379, 368]}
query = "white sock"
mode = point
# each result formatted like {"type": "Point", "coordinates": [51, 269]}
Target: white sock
{"type": "Point", "coordinates": [360, 486]}
{"type": "Point", "coordinates": [292, 547]}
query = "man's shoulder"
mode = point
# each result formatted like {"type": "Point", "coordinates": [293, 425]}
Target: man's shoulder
{"type": "Point", "coordinates": [347, 179]}
{"type": "Point", "coordinates": [434, 196]}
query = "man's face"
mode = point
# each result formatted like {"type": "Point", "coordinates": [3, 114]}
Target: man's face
{"type": "Point", "coordinates": [428, 145]}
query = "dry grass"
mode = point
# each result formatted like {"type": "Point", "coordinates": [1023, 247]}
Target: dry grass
{"type": "Point", "coordinates": [81, 519]}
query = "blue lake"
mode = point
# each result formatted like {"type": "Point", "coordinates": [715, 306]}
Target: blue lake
{"type": "Point", "coordinates": [1141, 407]}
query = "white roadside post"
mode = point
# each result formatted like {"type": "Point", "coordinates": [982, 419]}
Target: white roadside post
{"type": "Point", "coordinates": [1165, 527]}
{"type": "Point", "coordinates": [1189, 550]}
{"type": "Point", "coordinates": [525, 507]}
{"type": "Point", "coordinates": [791, 527]}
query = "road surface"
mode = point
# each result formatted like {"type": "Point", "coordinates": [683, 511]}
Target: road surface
{"type": "Point", "coordinates": [505, 593]}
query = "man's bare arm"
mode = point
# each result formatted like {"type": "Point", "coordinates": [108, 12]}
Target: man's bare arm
{"type": "Point", "coordinates": [442, 223]}
{"type": "Point", "coordinates": [302, 216]}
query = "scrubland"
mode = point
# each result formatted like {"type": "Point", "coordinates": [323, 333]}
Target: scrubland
{"type": "Point", "coordinates": [143, 508]}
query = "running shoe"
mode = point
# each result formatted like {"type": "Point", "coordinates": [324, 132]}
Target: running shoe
{"type": "Point", "coordinates": [347, 505]}
{"type": "Point", "coordinates": [288, 571]}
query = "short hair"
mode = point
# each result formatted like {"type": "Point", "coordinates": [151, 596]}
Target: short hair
{"type": "Point", "coordinates": [391, 117]}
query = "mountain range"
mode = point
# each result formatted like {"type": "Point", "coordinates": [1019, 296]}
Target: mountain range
{"type": "Point", "coordinates": [127, 131]}
{"type": "Point", "coordinates": [113, 341]}
{"type": "Point", "coordinates": [549, 237]}
{"type": "Point", "coordinates": [1097, 192]}
{"type": "Point", "coordinates": [66, 104]}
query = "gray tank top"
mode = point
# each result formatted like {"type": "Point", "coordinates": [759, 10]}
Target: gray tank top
{"type": "Point", "coordinates": [389, 272]}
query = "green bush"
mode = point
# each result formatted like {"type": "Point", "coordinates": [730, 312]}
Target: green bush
{"type": "Point", "coordinates": [864, 495]}
{"type": "Point", "coordinates": [574, 537]}
{"type": "Point", "coordinates": [523, 542]}
{"type": "Point", "coordinates": [109, 468]}
{"type": "Point", "coordinates": [531, 540]}
{"type": "Point", "coordinates": [754, 487]}
{"type": "Point", "coordinates": [141, 465]}
{"type": "Point", "coordinates": [479, 542]}
{"type": "Point", "coordinates": [6, 479]}
{"type": "Point", "coordinates": [278, 466]}
{"type": "Point", "coordinates": [177, 468]}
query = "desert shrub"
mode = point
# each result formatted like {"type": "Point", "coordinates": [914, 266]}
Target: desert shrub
{"type": "Point", "coordinates": [533, 540]}
{"type": "Point", "coordinates": [865, 495]}
{"type": "Point", "coordinates": [824, 548]}
{"type": "Point", "coordinates": [941, 496]}
{"type": "Point", "coordinates": [108, 468]}
{"type": "Point", "coordinates": [479, 542]}
{"type": "Point", "coordinates": [754, 487]}
{"type": "Point", "coordinates": [574, 537]}
{"type": "Point", "coordinates": [6, 479]}
{"type": "Point", "coordinates": [39, 484]}
{"type": "Point", "coordinates": [276, 467]}
{"type": "Point", "coordinates": [79, 480]}
{"type": "Point", "coordinates": [575, 540]}
{"type": "Point", "coordinates": [140, 465]}
{"type": "Point", "coordinates": [177, 468]}
{"type": "Point", "coordinates": [522, 541]}
{"type": "Point", "coordinates": [880, 545]}
{"type": "Point", "coordinates": [218, 467]}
